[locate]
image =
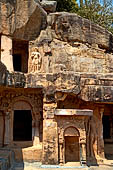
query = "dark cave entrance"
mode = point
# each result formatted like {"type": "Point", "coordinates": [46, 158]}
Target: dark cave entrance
{"type": "Point", "coordinates": [22, 125]}
{"type": "Point", "coordinates": [20, 55]}
{"type": "Point", "coordinates": [106, 127]}
{"type": "Point", "coordinates": [17, 60]}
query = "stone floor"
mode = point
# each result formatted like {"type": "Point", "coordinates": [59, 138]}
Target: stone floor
{"type": "Point", "coordinates": [37, 166]}
{"type": "Point", "coordinates": [79, 168]}
{"type": "Point", "coordinates": [75, 164]}
{"type": "Point", "coordinates": [101, 168]}
{"type": "Point", "coordinates": [7, 163]}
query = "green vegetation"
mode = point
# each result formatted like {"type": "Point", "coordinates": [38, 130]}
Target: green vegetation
{"type": "Point", "coordinates": [98, 11]}
{"type": "Point", "coordinates": [67, 5]}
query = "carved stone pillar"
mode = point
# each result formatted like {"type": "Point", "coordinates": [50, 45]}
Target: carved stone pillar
{"type": "Point", "coordinates": [83, 153]}
{"type": "Point", "coordinates": [7, 128]}
{"type": "Point", "coordinates": [50, 134]}
{"type": "Point", "coordinates": [61, 160]}
{"type": "Point", "coordinates": [100, 139]}
{"type": "Point", "coordinates": [36, 140]}
{"type": "Point", "coordinates": [2, 128]}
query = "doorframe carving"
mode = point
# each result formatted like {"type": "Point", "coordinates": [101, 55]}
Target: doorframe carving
{"type": "Point", "coordinates": [82, 142]}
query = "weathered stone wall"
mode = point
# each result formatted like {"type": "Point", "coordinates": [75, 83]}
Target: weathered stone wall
{"type": "Point", "coordinates": [89, 87]}
{"type": "Point", "coordinates": [3, 71]}
{"type": "Point", "coordinates": [6, 48]}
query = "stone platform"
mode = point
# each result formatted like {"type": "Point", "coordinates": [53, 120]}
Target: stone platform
{"type": "Point", "coordinates": [30, 154]}
{"type": "Point", "coordinates": [24, 153]}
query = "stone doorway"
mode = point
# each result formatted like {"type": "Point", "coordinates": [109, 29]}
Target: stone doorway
{"type": "Point", "coordinates": [22, 125]}
{"type": "Point", "coordinates": [72, 149]}
{"type": "Point", "coordinates": [20, 54]}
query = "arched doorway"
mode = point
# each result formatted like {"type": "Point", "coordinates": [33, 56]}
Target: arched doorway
{"type": "Point", "coordinates": [72, 149]}
{"type": "Point", "coordinates": [22, 122]}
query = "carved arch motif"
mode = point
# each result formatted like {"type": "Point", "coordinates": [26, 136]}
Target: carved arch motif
{"type": "Point", "coordinates": [24, 102]}
{"type": "Point", "coordinates": [71, 131]}
{"type": "Point", "coordinates": [66, 126]}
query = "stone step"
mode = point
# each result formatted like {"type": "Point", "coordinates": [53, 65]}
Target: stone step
{"type": "Point", "coordinates": [26, 166]}
{"type": "Point", "coordinates": [6, 159]}
{"type": "Point", "coordinates": [30, 154]}
{"type": "Point", "coordinates": [38, 166]}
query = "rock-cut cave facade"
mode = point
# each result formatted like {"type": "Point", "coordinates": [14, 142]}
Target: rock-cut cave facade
{"type": "Point", "coordinates": [56, 85]}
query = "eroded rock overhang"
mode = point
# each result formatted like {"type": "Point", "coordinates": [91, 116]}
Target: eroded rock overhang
{"type": "Point", "coordinates": [22, 19]}
{"type": "Point", "coordinates": [72, 28]}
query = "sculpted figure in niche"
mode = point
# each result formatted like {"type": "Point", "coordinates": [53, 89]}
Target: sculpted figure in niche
{"type": "Point", "coordinates": [36, 60]}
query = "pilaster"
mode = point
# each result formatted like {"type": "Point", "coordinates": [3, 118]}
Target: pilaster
{"type": "Point", "coordinates": [50, 135]}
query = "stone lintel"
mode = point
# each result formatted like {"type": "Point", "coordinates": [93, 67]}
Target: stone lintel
{"type": "Point", "coordinates": [77, 112]}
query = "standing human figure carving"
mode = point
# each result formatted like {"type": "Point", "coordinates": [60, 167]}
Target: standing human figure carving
{"type": "Point", "coordinates": [36, 60]}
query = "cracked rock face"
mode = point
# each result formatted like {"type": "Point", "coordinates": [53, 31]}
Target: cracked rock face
{"type": "Point", "coordinates": [71, 43]}
{"type": "Point", "coordinates": [21, 19]}
{"type": "Point", "coordinates": [71, 27]}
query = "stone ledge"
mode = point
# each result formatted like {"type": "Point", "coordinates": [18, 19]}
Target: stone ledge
{"type": "Point", "coordinates": [70, 112]}
{"type": "Point", "coordinates": [94, 87]}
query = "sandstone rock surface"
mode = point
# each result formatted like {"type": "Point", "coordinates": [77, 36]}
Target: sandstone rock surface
{"type": "Point", "coordinates": [22, 19]}
{"type": "Point", "coordinates": [49, 6]}
{"type": "Point", "coordinates": [71, 27]}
